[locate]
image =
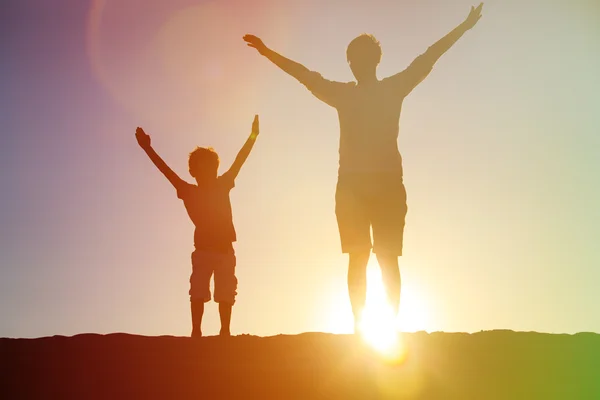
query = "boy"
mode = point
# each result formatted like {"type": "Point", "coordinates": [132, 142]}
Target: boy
{"type": "Point", "coordinates": [370, 191]}
{"type": "Point", "coordinates": [208, 205]}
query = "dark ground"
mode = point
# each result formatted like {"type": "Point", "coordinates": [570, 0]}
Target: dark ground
{"type": "Point", "coordinates": [487, 365]}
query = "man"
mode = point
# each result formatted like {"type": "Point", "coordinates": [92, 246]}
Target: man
{"type": "Point", "coordinates": [370, 191]}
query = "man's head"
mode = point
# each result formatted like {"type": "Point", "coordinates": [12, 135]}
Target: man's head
{"type": "Point", "coordinates": [363, 55]}
{"type": "Point", "coordinates": [203, 163]}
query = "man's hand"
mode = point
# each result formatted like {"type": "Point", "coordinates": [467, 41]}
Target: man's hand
{"type": "Point", "coordinates": [473, 17]}
{"type": "Point", "coordinates": [253, 41]}
{"type": "Point", "coordinates": [255, 130]}
{"type": "Point", "coordinates": [142, 138]}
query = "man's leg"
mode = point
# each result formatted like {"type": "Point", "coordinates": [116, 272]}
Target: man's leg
{"type": "Point", "coordinates": [357, 283]}
{"type": "Point", "coordinates": [197, 312]}
{"type": "Point", "coordinates": [388, 216]}
{"type": "Point", "coordinates": [355, 236]}
{"type": "Point", "coordinates": [390, 274]}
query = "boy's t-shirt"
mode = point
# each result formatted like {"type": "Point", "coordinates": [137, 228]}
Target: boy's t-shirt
{"type": "Point", "coordinates": [209, 208]}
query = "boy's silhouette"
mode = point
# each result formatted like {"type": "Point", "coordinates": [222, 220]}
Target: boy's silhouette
{"type": "Point", "coordinates": [207, 203]}
{"type": "Point", "coordinates": [370, 191]}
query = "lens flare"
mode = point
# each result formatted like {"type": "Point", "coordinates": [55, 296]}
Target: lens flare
{"type": "Point", "coordinates": [378, 325]}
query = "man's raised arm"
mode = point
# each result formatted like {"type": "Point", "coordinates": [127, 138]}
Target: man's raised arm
{"type": "Point", "coordinates": [325, 90]}
{"type": "Point", "coordinates": [422, 65]}
{"type": "Point", "coordinates": [297, 70]}
{"type": "Point", "coordinates": [434, 52]}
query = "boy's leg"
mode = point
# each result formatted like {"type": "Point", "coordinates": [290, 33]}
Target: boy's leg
{"type": "Point", "coordinates": [199, 288]}
{"type": "Point", "coordinates": [225, 316]}
{"type": "Point", "coordinates": [197, 312]}
{"type": "Point", "coordinates": [225, 290]}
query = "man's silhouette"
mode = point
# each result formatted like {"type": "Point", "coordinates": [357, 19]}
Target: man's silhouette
{"type": "Point", "coordinates": [370, 191]}
{"type": "Point", "coordinates": [208, 206]}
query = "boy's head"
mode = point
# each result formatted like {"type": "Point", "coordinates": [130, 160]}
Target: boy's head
{"type": "Point", "coordinates": [203, 163]}
{"type": "Point", "coordinates": [363, 55]}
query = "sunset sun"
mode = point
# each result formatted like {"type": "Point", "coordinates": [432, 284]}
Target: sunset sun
{"type": "Point", "coordinates": [378, 327]}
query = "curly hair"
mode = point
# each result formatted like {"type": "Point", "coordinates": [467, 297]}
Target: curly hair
{"type": "Point", "coordinates": [203, 159]}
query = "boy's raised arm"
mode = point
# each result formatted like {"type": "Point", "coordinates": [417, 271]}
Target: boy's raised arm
{"type": "Point", "coordinates": [144, 141]}
{"type": "Point", "coordinates": [243, 154]}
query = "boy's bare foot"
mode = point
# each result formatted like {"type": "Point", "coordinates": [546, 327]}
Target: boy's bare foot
{"type": "Point", "coordinates": [196, 333]}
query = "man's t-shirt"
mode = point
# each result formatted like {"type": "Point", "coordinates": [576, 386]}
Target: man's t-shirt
{"type": "Point", "coordinates": [209, 209]}
{"type": "Point", "coordinates": [369, 117]}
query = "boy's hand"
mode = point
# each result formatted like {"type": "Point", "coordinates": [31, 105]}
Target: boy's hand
{"type": "Point", "coordinates": [473, 17]}
{"type": "Point", "coordinates": [253, 41]}
{"type": "Point", "coordinates": [255, 129]}
{"type": "Point", "coordinates": [142, 138]}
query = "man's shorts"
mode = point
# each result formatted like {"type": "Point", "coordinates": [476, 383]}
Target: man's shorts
{"type": "Point", "coordinates": [368, 200]}
{"type": "Point", "coordinates": [204, 264]}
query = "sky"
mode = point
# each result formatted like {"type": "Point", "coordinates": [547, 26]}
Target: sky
{"type": "Point", "coordinates": [499, 147]}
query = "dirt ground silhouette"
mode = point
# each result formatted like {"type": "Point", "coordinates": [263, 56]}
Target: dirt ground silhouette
{"type": "Point", "coordinates": [485, 365]}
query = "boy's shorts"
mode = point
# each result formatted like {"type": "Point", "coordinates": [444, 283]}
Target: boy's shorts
{"type": "Point", "coordinates": [204, 264]}
{"type": "Point", "coordinates": [368, 200]}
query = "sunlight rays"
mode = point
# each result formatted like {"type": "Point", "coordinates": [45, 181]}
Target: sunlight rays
{"type": "Point", "coordinates": [378, 326]}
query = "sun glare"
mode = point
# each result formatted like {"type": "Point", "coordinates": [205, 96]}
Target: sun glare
{"type": "Point", "coordinates": [378, 325]}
